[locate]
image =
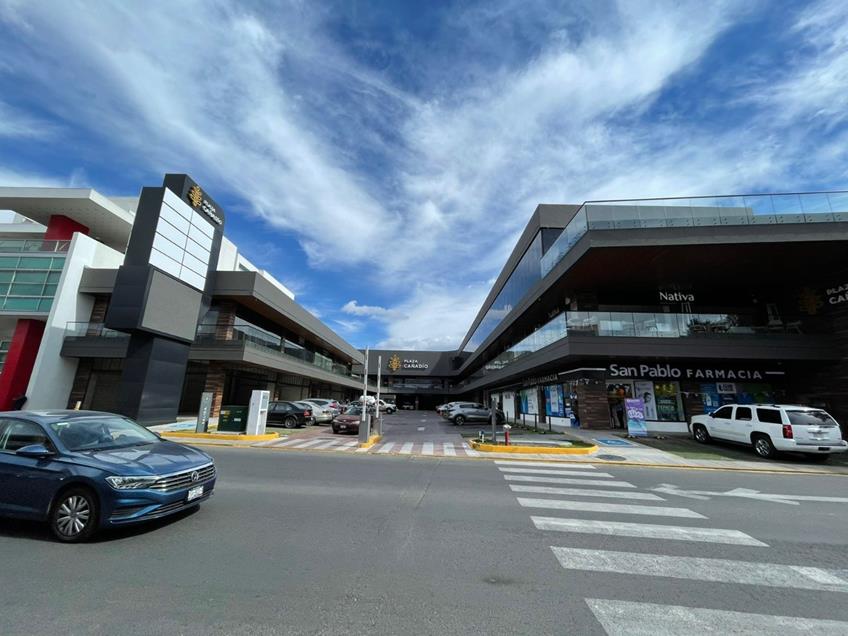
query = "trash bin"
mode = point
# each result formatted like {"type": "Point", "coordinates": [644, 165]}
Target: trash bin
{"type": "Point", "coordinates": [233, 419]}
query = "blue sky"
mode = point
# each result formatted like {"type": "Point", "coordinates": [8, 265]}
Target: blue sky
{"type": "Point", "coordinates": [381, 158]}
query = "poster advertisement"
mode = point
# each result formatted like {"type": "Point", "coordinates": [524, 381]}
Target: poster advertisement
{"type": "Point", "coordinates": [636, 417]}
{"type": "Point", "coordinates": [645, 391]}
{"type": "Point", "coordinates": [529, 402]}
{"type": "Point", "coordinates": [554, 402]}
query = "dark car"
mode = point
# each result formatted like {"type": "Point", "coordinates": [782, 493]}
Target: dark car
{"type": "Point", "coordinates": [85, 470]}
{"type": "Point", "coordinates": [348, 422]}
{"type": "Point", "coordinates": [289, 414]}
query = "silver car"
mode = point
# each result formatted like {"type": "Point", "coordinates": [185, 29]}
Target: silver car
{"type": "Point", "coordinates": [461, 412]}
{"type": "Point", "coordinates": [320, 414]}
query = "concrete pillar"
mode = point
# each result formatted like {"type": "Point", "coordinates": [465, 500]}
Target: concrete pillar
{"type": "Point", "coordinates": [215, 376]}
{"type": "Point", "coordinates": [20, 360]}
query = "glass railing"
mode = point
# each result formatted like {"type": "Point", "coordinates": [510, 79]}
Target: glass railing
{"type": "Point", "coordinates": [223, 334]}
{"type": "Point", "coordinates": [91, 330]}
{"type": "Point", "coordinates": [764, 209]}
{"type": "Point", "coordinates": [14, 246]}
{"type": "Point", "coordinates": [636, 325]}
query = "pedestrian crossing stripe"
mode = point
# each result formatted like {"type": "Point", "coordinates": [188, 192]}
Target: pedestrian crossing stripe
{"type": "Point", "coordinates": [544, 471]}
{"type": "Point", "coordinates": [569, 480]}
{"type": "Point", "coordinates": [628, 618]}
{"type": "Point", "coordinates": [569, 464]}
{"type": "Point", "coordinates": [587, 492]}
{"type": "Point", "coordinates": [646, 531]}
{"type": "Point", "coordinates": [626, 509]}
{"type": "Point", "coordinates": [701, 569]}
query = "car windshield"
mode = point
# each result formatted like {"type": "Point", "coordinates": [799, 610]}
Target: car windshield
{"type": "Point", "coordinates": [810, 418]}
{"type": "Point", "coordinates": [101, 433]}
{"type": "Point", "coordinates": [354, 410]}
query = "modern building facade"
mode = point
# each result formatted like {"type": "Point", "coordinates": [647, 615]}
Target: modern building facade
{"type": "Point", "coordinates": [684, 303]}
{"type": "Point", "coordinates": [140, 304]}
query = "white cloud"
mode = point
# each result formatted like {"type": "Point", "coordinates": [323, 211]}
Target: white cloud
{"type": "Point", "coordinates": [372, 311]}
{"type": "Point", "coordinates": [14, 123]}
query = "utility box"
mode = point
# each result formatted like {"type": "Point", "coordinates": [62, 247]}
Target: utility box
{"type": "Point", "coordinates": [233, 419]}
{"type": "Point", "coordinates": [257, 415]}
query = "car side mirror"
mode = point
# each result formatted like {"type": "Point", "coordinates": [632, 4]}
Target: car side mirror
{"type": "Point", "coordinates": [34, 450]}
{"type": "Point", "coordinates": [712, 414]}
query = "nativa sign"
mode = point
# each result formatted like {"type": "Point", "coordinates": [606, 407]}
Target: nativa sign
{"type": "Point", "coordinates": [667, 371]}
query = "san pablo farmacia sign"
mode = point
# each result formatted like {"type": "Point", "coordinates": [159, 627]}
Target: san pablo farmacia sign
{"type": "Point", "coordinates": [670, 372]}
{"type": "Point", "coordinates": [396, 363]}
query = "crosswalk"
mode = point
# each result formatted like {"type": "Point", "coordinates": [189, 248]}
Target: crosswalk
{"type": "Point", "coordinates": [551, 493]}
{"type": "Point", "coordinates": [345, 444]}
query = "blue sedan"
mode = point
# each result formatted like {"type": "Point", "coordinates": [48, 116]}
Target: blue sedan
{"type": "Point", "coordinates": [85, 470]}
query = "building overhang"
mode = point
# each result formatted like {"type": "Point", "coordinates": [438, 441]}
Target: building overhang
{"type": "Point", "coordinates": [106, 220]}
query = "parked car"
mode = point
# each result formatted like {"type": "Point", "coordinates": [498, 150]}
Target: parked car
{"type": "Point", "coordinates": [461, 412]}
{"type": "Point", "coordinates": [388, 407]}
{"type": "Point", "coordinates": [82, 471]}
{"type": "Point", "coordinates": [442, 408]}
{"type": "Point", "coordinates": [407, 406]}
{"type": "Point", "coordinates": [289, 414]}
{"type": "Point", "coordinates": [333, 405]}
{"type": "Point", "coordinates": [348, 422]}
{"type": "Point", "coordinates": [321, 414]}
{"type": "Point", "coordinates": [770, 428]}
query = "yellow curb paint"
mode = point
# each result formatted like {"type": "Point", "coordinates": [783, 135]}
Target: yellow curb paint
{"type": "Point", "coordinates": [491, 448]}
{"type": "Point", "coordinates": [371, 441]}
{"type": "Point", "coordinates": [236, 437]}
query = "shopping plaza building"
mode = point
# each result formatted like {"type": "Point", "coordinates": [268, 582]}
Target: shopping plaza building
{"type": "Point", "coordinates": [684, 303]}
{"type": "Point", "coordinates": [139, 305]}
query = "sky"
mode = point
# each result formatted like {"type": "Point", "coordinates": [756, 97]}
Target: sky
{"type": "Point", "coordinates": [381, 158]}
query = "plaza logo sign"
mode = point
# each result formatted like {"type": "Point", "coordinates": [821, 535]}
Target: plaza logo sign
{"type": "Point", "coordinates": [195, 195]}
{"type": "Point", "coordinates": [838, 295]}
{"type": "Point", "coordinates": [396, 363]}
{"type": "Point", "coordinates": [668, 372]}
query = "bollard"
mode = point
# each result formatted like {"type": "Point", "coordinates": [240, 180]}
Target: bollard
{"type": "Point", "coordinates": [506, 429]}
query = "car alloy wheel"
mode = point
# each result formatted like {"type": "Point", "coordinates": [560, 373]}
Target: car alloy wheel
{"type": "Point", "coordinates": [74, 516]}
{"type": "Point", "coordinates": [459, 420]}
{"type": "Point", "coordinates": [701, 434]}
{"type": "Point", "coordinates": [763, 447]}
{"type": "Point", "coordinates": [290, 422]}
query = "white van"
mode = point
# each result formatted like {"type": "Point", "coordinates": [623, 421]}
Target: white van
{"type": "Point", "coordinates": [773, 427]}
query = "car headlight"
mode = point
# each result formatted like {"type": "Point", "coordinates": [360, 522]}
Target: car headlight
{"type": "Point", "coordinates": [130, 483]}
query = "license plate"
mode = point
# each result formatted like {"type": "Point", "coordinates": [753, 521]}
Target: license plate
{"type": "Point", "coordinates": [343, 426]}
{"type": "Point", "coordinates": [194, 493]}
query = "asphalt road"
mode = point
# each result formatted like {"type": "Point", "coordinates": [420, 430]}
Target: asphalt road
{"type": "Point", "coordinates": [321, 543]}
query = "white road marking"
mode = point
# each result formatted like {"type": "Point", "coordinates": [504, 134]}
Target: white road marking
{"type": "Point", "coordinates": [586, 492]}
{"type": "Point", "coordinates": [569, 480]}
{"type": "Point", "coordinates": [624, 509]}
{"type": "Point", "coordinates": [422, 428]}
{"type": "Point", "coordinates": [469, 451]}
{"type": "Point", "coordinates": [700, 569]}
{"type": "Point", "coordinates": [289, 442]}
{"type": "Point", "coordinates": [406, 449]}
{"type": "Point", "coordinates": [746, 493]}
{"type": "Point", "coordinates": [329, 444]}
{"type": "Point", "coordinates": [309, 443]}
{"type": "Point", "coordinates": [448, 449]}
{"type": "Point", "coordinates": [347, 445]}
{"type": "Point", "coordinates": [385, 448]}
{"type": "Point", "coordinates": [646, 531]}
{"type": "Point", "coordinates": [427, 448]}
{"type": "Point", "coordinates": [627, 618]}
{"type": "Point", "coordinates": [545, 464]}
{"type": "Point", "coordinates": [544, 471]}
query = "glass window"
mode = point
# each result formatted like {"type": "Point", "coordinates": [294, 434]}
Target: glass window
{"type": "Point", "coordinates": [34, 262]}
{"type": "Point", "coordinates": [769, 416]}
{"type": "Point", "coordinates": [810, 418]}
{"type": "Point", "coordinates": [30, 277]}
{"type": "Point", "coordinates": [53, 277]}
{"type": "Point", "coordinates": [743, 413]}
{"type": "Point", "coordinates": [26, 289]}
{"type": "Point", "coordinates": [45, 305]}
{"type": "Point", "coordinates": [58, 263]}
{"type": "Point", "coordinates": [101, 433]}
{"type": "Point", "coordinates": [9, 262]}
{"type": "Point", "coordinates": [21, 304]}
{"type": "Point", "coordinates": [6, 276]}
{"type": "Point", "coordinates": [15, 434]}
{"type": "Point", "coordinates": [725, 412]}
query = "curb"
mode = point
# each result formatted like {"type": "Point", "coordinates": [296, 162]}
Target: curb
{"type": "Point", "coordinates": [232, 437]}
{"type": "Point", "coordinates": [535, 450]}
{"type": "Point", "coordinates": [371, 441]}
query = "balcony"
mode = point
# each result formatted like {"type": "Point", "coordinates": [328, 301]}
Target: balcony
{"type": "Point", "coordinates": [767, 209]}
{"type": "Point", "coordinates": [83, 339]}
{"type": "Point", "coordinates": [16, 246]}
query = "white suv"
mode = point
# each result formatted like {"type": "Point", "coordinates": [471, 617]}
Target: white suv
{"type": "Point", "coordinates": [773, 427]}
